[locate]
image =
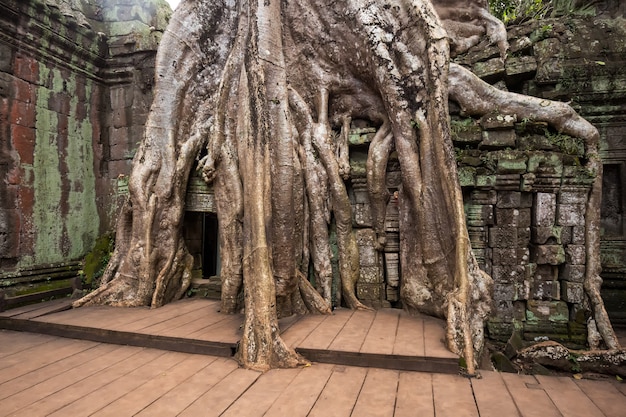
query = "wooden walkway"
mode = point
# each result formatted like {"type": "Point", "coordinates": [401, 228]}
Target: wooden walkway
{"type": "Point", "coordinates": [388, 338]}
{"type": "Point", "coordinates": [42, 375]}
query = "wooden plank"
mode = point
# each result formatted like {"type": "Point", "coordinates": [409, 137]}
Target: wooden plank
{"type": "Point", "coordinates": [49, 308]}
{"type": "Point", "coordinates": [382, 332]}
{"type": "Point", "coordinates": [12, 342]}
{"type": "Point", "coordinates": [260, 396]}
{"type": "Point", "coordinates": [226, 331]}
{"type": "Point", "coordinates": [184, 394]}
{"type": "Point", "coordinates": [378, 394]}
{"type": "Point", "coordinates": [31, 308]}
{"type": "Point", "coordinates": [434, 339]}
{"type": "Point", "coordinates": [52, 369]}
{"type": "Point", "coordinates": [95, 316]}
{"type": "Point", "coordinates": [530, 398]}
{"type": "Point", "coordinates": [177, 321]}
{"type": "Point", "coordinates": [492, 397]}
{"type": "Point", "coordinates": [324, 334]}
{"type": "Point", "coordinates": [377, 360]}
{"type": "Point", "coordinates": [29, 360]}
{"type": "Point", "coordinates": [452, 396]}
{"type": "Point", "coordinates": [410, 336]}
{"type": "Point", "coordinates": [211, 318]}
{"type": "Point", "coordinates": [219, 397]}
{"type": "Point", "coordinates": [299, 397]}
{"type": "Point", "coordinates": [605, 396]}
{"type": "Point", "coordinates": [621, 387]}
{"type": "Point", "coordinates": [300, 330]}
{"type": "Point", "coordinates": [142, 396]}
{"type": "Point", "coordinates": [286, 322]}
{"type": "Point", "coordinates": [353, 334]}
{"type": "Point", "coordinates": [37, 297]}
{"type": "Point", "coordinates": [96, 375]}
{"type": "Point", "coordinates": [340, 393]}
{"type": "Point", "coordinates": [160, 315]}
{"type": "Point", "coordinates": [415, 395]}
{"type": "Point", "coordinates": [204, 347]}
{"type": "Point", "coordinates": [105, 395]}
{"type": "Point", "coordinates": [568, 397]}
{"type": "Point", "coordinates": [52, 385]}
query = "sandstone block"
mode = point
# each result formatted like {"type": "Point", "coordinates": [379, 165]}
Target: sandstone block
{"type": "Point", "coordinates": [573, 197]}
{"type": "Point", "coordinates": [571, 215]}
{"type": "Point", "coordinates": [479, 214]}
{"type": "Point", "coordinates": [523, 236]}
{"type": "Point", "coordinates": [485, 197]}
{"type": "Point", "coordinates": [546, 290]}
{"type": "Point", "coordinates": [546, 235]}
{"type": "Point", "coordinates": [511, 164]}
{"type": "Point", "coordinates": [548, 254]}
{"type": "Point", "coordinates": [503, 237]}
{"type": "Point", "coordinates": [510, 256]}
{"type": "Point", "coordinates": [498, 139]}
{"type": "Point", "coordinates": [508, 273]}
{"type": "Point", "coordinates": [578, 235]}
{"type": "Point", "coordinates": [509, 199]}
{"type": "Point", "coordinates": [542, 310]}
{"type": "Point", "coordinates": [545, 210]}
{"type": "Point", "coordinates": [573, 273]}
{"type": "Point", "coordinates": [572, 292]}
{"type": "Point", "coordinates": [575, 254]}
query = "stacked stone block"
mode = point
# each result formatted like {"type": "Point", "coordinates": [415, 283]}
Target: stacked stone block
{"type": "Point", "coordinates": [526, 197]}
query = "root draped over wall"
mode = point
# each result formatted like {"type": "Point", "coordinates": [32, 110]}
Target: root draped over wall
{"type": "Point", "coordinates": [262, 86]}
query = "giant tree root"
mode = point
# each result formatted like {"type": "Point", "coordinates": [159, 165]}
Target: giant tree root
{"type": "Point", "coordinates": [554, 355]}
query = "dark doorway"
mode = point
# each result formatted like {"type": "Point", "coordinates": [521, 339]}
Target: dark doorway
{"type": "Point", "coordinates": [210, 246]}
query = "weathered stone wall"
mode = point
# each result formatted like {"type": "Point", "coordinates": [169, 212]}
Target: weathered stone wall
{"type": "Point", "coordinates": [75, 88]}
{"type": "Point", "coordinates": [524, 184]}
{"type": "Point", "coordinates": [584, 61]}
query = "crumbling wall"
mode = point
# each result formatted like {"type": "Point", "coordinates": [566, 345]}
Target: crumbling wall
{"type": "Point", "coordinates": [75, 89]}
{"type": "Point", "coordinates": [524, 184]}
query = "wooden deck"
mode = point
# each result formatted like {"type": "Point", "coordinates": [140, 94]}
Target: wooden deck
{"type": "Point", "coordinates": [42, 375]}
{"type": "Point", "coordinates": [388, 338]}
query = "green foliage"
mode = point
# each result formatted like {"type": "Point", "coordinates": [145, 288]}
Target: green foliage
{"type": "Point", "coordinates": [457, 126]}
{"type": "Point", "coordinates": [96, 261]}
{"type": "Point", "coordinates": [522, 10]}
{"type": "Point", "coordinates": [573, 359]}
{"type": "Point", "coordinates": [567, 144]}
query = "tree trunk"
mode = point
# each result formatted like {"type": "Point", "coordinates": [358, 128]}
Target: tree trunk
{"type": "Point", "coordinates": [270, 88]}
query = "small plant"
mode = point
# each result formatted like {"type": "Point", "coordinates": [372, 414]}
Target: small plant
{"type": "Point", "coordinates": [457, 126]}
{"type": "Point", "coordinates": [567, 144]}
{"type": "Point", "coordinates": [575, 365]}
{"type": "Point", "coordinates": [522, 10]}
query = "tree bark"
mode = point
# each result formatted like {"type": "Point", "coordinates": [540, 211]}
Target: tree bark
{"type": "Point", "coordinates": [265, 85]}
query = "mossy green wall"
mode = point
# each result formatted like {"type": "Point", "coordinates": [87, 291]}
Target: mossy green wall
{"type": "Point", "coordinates": [65, 218]}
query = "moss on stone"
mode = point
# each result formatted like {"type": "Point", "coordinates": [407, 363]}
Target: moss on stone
{"type": "Point", "coordinates": [96, 261]}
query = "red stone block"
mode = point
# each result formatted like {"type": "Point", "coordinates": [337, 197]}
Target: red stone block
{"type": "Point", "coordinates": [81, 93]}
{"type": "Point", "coordinates": [23, 139]}
{"type": "Point", "coordinates": [27, 68]}
{"type": "Point", "coordinates": [23, 91]}
{"type": "Point", "coordinates": [80, 111]}
{"type": "Point", "coordinates": [23, 114]}
{"type": "Point", "coordinates": [62, 124]}
{"type": "Point", "coordinates": [26, 201]}
{"type": "Point", "coordinates": [11, 242]}
{"type": "Point", "coordinates": [15, 175]}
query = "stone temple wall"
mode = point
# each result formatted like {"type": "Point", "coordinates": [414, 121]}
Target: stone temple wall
{"type": "Point", "coordinates": [75, 89]}
{"type": "Point", "coordinates": [525, 191]}
{"type": "Point", "coordinates": [76, 85]}
{"type": "Point", "coordinates": [524, 184]}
